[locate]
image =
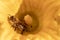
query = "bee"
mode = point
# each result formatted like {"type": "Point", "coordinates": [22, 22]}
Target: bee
{"type": "Point", "coordinates": [17, 24]}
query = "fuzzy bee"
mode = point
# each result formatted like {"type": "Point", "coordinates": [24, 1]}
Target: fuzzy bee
{"type": "Point", "coordinates": [18, 25]}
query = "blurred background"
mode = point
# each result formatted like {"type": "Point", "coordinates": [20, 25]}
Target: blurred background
{"type": "Point", "coordinates": [47, 12]}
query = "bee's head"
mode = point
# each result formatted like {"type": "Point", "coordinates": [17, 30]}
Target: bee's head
{"type": "Point", "coordinates": [12, 18]}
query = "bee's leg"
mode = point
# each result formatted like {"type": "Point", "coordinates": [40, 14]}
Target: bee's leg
{"type": "Point", "coordinates": [14, 29]}
{"type": "Point", "coordinates": [27, 30]}
{"type": "Point", "coordinates": [14, 26]}
{"type": "Point", "coordinates": [22, 31]}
